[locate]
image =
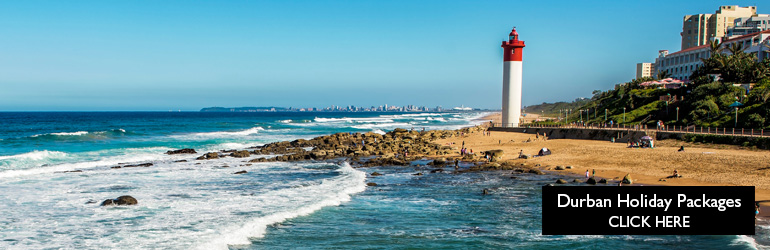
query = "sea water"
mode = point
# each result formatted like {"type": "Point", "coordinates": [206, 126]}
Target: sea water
{"type": "Point", "coordinates": [189, 204]}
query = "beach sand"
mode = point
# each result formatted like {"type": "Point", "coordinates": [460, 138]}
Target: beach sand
{"type": "Point", "coordinates": [699, 165]}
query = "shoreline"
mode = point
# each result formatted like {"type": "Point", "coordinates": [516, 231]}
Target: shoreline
{"type": "Point", "coordinates": [738, 166]}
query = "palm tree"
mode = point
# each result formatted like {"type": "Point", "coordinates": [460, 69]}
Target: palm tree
{"type": "Point", "coordinates": [735, 48]}
{"type": "Point", "coordinates": [663, 74]}
{"type": "Point", "coordinates": [715, 47]}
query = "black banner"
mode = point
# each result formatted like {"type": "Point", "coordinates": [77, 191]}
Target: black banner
{"type": "Point", "coordinates": [648, 210]}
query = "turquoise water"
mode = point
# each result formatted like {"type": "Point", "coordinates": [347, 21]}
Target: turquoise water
{"type": "Point", "coordinates": [203, 205]}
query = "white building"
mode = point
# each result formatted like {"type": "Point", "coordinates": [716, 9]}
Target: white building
{"type": "Point", "coordinates": [644, 70]}
{"type": "Point", "coordinates": [747, 25]}
{"type": "Point", "coordinates": [681, 64]}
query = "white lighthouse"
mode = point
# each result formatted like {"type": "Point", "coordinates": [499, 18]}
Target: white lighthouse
{"type": "Point", "coordinates": [512, 50]}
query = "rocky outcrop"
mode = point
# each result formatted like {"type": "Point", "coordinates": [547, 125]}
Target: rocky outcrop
{"type": "Point", "coordinates": [591, 181]}
{"type": "Point", "coordinates": [241, 154]}
{"type": "Point", "coordinates": [241, 172]}
{"type": "Point", "coordinates": [561, 181]}
{"type": "Point", "coordinates": [375, 174]}
{"type": "Point", "coordinates": [371, 184]}
{"type": "Point", "coordinates": [122, 200]}
{"type": "Point", "coordinates": [208, 156]}
{"type": "Point", "coordinates": [182, 151]}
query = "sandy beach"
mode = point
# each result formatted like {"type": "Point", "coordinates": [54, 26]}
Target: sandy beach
{"type": "Point", "coordinates": [700, 165]}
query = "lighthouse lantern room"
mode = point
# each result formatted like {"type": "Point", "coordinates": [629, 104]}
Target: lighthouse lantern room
{"type": "Point", "coordinates": [512, 56]}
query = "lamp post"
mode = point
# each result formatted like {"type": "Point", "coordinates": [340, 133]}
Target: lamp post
{"type": "Point", "coordinates": [581, 115]}
{"type": "Point", "coordinates": [677, 114]}
{"type": "Point", "coordinates": [736, 117]}
{"type": "Point", "coordinates": [605, 115]}
{"type": "Point", "coordinates": [624, 115]}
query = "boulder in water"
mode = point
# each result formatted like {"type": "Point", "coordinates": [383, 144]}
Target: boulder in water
{"type": "Point", "coordinates": [181, 151]}
{"type": "Point", "coordinates": [591, 181]}
{"type": "Point", "coordinates": [241, 172]}
{"type": "Point", "coordinates": [122, 200]}
{"type": "Point", "coordinates": [561, 181]}
{"type": "Point", "coordinates": [371, 184]}
{"type": "Point", "coordinates": [240, 154]}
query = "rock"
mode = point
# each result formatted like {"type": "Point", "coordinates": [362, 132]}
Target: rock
{"type": "Point", "coordinates": [241, 172]}
{"type": "Point", "coordinates": [525, 156]}
{"type": "Point", "coordinates": [210, 155]}
{"type": "Point", "coordinates": [485, 191]}
{"type": "Point", "coordinates": [591, 181]}
{"type": "Point", "coordinates": [181, 161]}
{"type": "Point", "coordinates": [568, 167]}
{"type": "Point", "coordinates": [241, 154]}
{"type": "Point", "coordinates": [576, 180]}
{"type": "Point", "coordinates": [138, 165]}
{"type": "Point", "coordinates": [123, 200]}
{"type": "Point", "coordinates": [627, 179]}
{"type": "Point", "coordinates": [536, 171]}
{"type": "Point", "coordinates": [496, 154]}
{"type": "Point", "coordinates": [417, 174]}
{"type": "Point", "coordinates": [439, 162]}
{"type": "Point", "coordinates": [375, 174]}
{"type": "Point", "coordinates": [561, 181]}
{"type": "Point", "coordinates": [371, 184]}
{"type": "Point", "coordinates": [603, 181]}
{"type": "Point", "coordinates": [181, 151]}
{"type": "Point", "coordinates": [559, 168]}
{"type": "Point", "coordinates": [437, 170]}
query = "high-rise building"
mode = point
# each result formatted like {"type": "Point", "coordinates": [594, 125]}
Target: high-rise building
{"type": "Point", "coordinates": [747, 25]}
{"type": "Point", "coordinates": [699, 29]}
{"type": "Point", "coordinates": [644, 70]}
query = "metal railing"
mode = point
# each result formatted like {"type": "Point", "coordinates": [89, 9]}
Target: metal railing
{"type": "Point", "coordinates": [637, 127]}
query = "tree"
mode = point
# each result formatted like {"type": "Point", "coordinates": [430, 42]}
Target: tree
{"type": "Point", "coordinates": [663, 74]}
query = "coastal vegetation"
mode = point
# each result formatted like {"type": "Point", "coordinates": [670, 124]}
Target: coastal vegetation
{"type": "Point", "coordinates": [729, 84]}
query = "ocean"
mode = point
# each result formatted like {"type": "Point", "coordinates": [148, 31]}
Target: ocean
{"type": "Point", "coordinates": [55, 169]}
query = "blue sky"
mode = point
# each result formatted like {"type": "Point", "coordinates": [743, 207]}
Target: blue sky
{"type": "Point", "coordinates": [164, 55]}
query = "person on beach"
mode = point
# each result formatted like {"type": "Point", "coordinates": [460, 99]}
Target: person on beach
{"type": "Point", "coordinates": [756, 209]}
{"type": "Point", "coordinates": [521, 153]}
{"type": "Point", "coordinates": [457, 163]}
{"type": "Point", "coordinates": [681, 149]}
{"type": "Point", "coordinates": [676, 173]}
{"type": "Point", "coordinates": [587, 174]}
{"type": "Point", "coordinates": [594, 173]}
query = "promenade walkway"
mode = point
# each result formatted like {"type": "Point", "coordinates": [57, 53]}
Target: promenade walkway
{"type": "Point", "coordinates": [643, 128]}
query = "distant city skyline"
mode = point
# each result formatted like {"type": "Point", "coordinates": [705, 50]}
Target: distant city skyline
{"type": "Point", "coordinates": [180, 55]}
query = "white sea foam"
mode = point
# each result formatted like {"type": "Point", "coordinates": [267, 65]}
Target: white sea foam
{"type": "Point", "coordinates": [63, 134]}
{"type": "Point", "coordinates": [331, 192]}
{"type": "Point", "coordinates": [285, 121]}
{"type": "Point", "coordinates": [219, 134]}
{"type": "Point", "coordinates": [748, 241]}
{"type": "Point", "coordinates": [34, 155]}
{"type": "Point", "coordinates": [37, 162]}
{"type": "Point", "coordinates": [382, 125]}
{"type": "Point", "coordinates": [378, 131]}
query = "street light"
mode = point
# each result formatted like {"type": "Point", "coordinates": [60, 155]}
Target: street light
{"type": "Point", "coordinates": [624, 115]}
{"type": "Point", "coordinates": [736, 117]}
{"type": "Point", "coordinates": [677, 114]}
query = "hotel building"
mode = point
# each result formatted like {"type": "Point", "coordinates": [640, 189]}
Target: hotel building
{"type": "Point", "coordinates": [699, 29]}
{"type": "Point", "coordinates": [681, 64]}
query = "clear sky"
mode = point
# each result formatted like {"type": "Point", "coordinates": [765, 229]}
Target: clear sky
{"type": "Point", "coordinates": [164, 55]}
